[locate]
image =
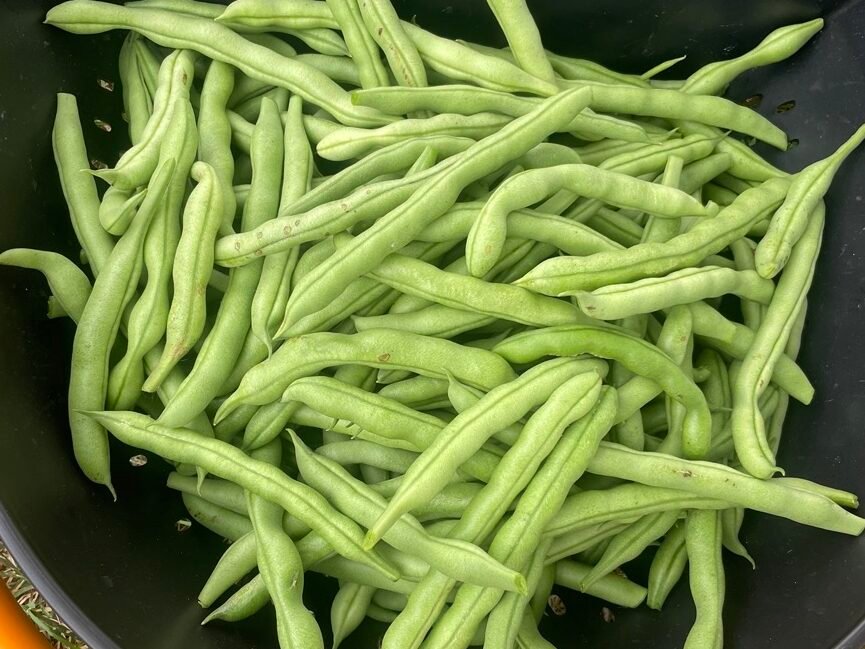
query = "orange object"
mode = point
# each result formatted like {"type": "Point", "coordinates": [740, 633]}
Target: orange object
{"type": "Point", "coordinates": [16, 629]}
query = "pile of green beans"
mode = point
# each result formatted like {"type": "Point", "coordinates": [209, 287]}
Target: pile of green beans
{"type": "Point", "coordinates": [541, 316]}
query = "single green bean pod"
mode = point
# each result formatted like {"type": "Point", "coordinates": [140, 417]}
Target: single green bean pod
{"type": "Point", "coordinates": [68, 283]}
{"type": "Point", "coordinates": [803, 200]}
{"type": "Point", "coordinates": [193, 262]}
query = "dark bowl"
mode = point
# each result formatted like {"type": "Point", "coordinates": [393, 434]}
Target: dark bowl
{"type": "Point", "coordinates": [122, 576]}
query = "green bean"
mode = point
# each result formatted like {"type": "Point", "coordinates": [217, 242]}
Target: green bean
{"type": "Point", "coordinates": [331, 218]}
{"type": "Point", "coordinates": [464, 436]}
{"type": "Point", "coordinates": [613, 588]}
{"type": "Point", "coordinates": [214, 146]}
{"type": "Point", "coordinates": [435, 320]}
{"type": "Point", "coordinates": [731, 523]}
{"type": "Point", "coordinates": [274, 15]}
{"type": "Point", "coordinates": [363, 295]}
{"type": "Point", "coordinates": [735, 340]}
{"type": "Point", "coordinates": [245, 602]}
{"type": "Point", "coordinates": [192, 266]}
{"type": "Point", "coordinates": [630, 543]}
{"type": "Point", "coordinates": [581, 69]}
{"type": "Point", "coordinates": [79, 187]}
{"type": "Point", "coordinates": [234, 564]}
{"type": "Point", "coordinates": [743, 255]}
{"type": "Point", "coordinates": [523, 37]}
{"type": "Point", "coordinates": [582, 539]}
{"type": "Point", "coordinates": [147, 321]}
{"type": "Point", "coordinates": [349, 609]}
{"type": "Point", "coordinates": [636, 355]}
{"type": "Point", "coordinates": [271, 295]}
{"type": "Point", "coordinates": [219, 43]}
{"type": "Point", "coordinates": [382, 416]}
{"type": "Point", "coordinates": [505, 619]}
{"type": "Point", "coordinates": [282, 571]}
{"type": "Point", "coordinates": [749, 435]}
{"type": "Point", "coordinates": [68, 284]}
{"type": "Point", "coordinates": [717, 481]}
{"type": "Point", "coordinates": [662, 67]}
{"type": "Point", "coordinates": [118, 208]}
{"type": "Point", "coordinates": [504, 301]}
{"type": "Point", "coordinates": [489, 230]}
{"type": "Point", "coordinates": [659, 229]}
{"type": "Point", "coordinates": [305, 21]}
{"type": "Point", "coordinates": [400, 225]}
{"type": "Point", "coordinates": [220, 521]}
{"type": "Point", "coordinates": [487, 508]}
{"type": "Point", "coordinates": [346, 142]}
{"type": "Point", "coordinates": [137, 101]}
{"type": "Point", "coordinates": [461, 560]}
{"type": "Point", "coordinates": [97, 330]}
{"type": "Point", "coordinates": [625, 501]}
{"type": "Point", "coordinates": [745, 163]}
{"type": "Point", "coordinates": [667, 566]}
{"type": "Point", "coordinates": [780, 44]}
{"type": "Point", "coordinates": [616, 301]}
{"type": "Point", "coordinates": [222, 346]}
{"type": "Point", "coordinates": [358, 295]}
{"type": "Point", "coordinates": [617, 227]}
{"type": "Point", "coordinates": [676, 105]}
{"type": "Point", "coordinates": [360, 43]}
{"type": "Point", "coordinates": [843, 498]}
{"type": "Point", "coordinates": [419, 392]}
{"type": "Point", "coordinates": [192, 7]}
{"type": "Point", "coordinates": [358, 451]}
{"type": "Point", "coordinates": [464, 64]}
{"type": "Point", "coordinates": [394, 158]}
{"type": "Point", "coordinates": [258, 477]}
{"type": "Point", "coordinates": [597, 152]}
{"type": "Point", "coordinates": [706, 575]}
{"type": "Point", "coordinates": [306, 355]}
{"type": "Point", "coordinates": [521, 533]}
{"type": "Point", "coordinates": [218, 492]}
{"type": "Point", "coordinates": [339, 68]}
{"type": "Point", "coordinates": [565, 274]}
{"type": "Point", "coordinates": [470, 100]}
{"type": "Point", "coordinates": [383, 25]}
{"type": "Point", "coordinates": [803, 200]}
{"type": "Point", "coordinates": [163, 130]}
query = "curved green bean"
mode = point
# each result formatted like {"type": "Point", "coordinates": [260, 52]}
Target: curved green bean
{"type": "Point", "coordinates": [461, 560]}
{"type": "Point", "coordinates": [193, 262]}
{"type": "Point", "coordinates": [636, 355]}
{"type": "Point", "coordinates": [68, 283]}
{"type": "Point", "coordinates": [789, 223]}
{"type": "Point", "coordinates": [260, 478]}
{"type": "Point", "coordinates": [223, 344]}
{"type": "Point", "coordinates": [780, 44]}
{"type": "Point", "coordinates": [219, 43]}
{"type": "Point", "coordinates": [667, 567]}
{"type": "Point", "coordinates": [96, 332]}
{"type": "Point", "coordinates": [685, 286]}
{"type": "Point", "coordinates": [706, 576]}
{"type": "Point", "coordinates": [749, 434]}
{"type": "Point", "coordinates": [565, 274]}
